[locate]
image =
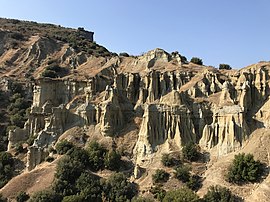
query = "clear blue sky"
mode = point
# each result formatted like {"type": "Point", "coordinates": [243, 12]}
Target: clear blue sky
{"type": "Point", "coordinates": [236, 32]}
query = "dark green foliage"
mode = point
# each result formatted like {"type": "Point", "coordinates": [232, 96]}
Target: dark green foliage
{"type": "Point", "coordinates": [79, 154]}
{"type": "Point", "coordinates": [73, 198]}
{"type": "Point", "coordinates": [181, 195]}
{"type": "Point", "coordinates": [182, 173]}
{"type": "Point", "coordinates": [160, 176]}
{"type": "Point", "coordinates": [6, 168]}
{"type": "Point", "coordinates": [64, 187]}
{"type": "Point", "coordinates": [194, 182]}
{"type": "Point", "coordinates": [124, 54]}
{"type": "Point", "coordinates": [16, 35]}
{"type": "Point", "coordinates": [112, 160]}
{"type": "Point", "coordinates": [168, 160]}
{"type": "Point", "coordinates": [67, 172]}
{"type": "Point", "coordinates": [225, 66]}
{"type": "Point", "coordinates": [17, 120]}
{"type": "Point", "coordinates": [63, 147]}
{"type": "Point", "coordinates": [158, 192]}
{"type": "Point", "coordinates": [68, 169]}
{"type": "Point", "coordinates": [49, 159]}
{"type": "Point", "coordinates": [45, 196]}
{"type": "Point", "coordinates": [54, 68]}
{"type": "Point", "coordinates": [18, 106]}
{"type": "Point", "coordinates": [89, 187]}
{"type": "Point", "coordinates": [19, 148]}
{"type": "Point", "coordinates": [118, 188]}
{"type": "Point", "coordinates": [16, 88]}
{"type": "Point", "coordinates": [22, 197]}
{"type": "Point", "coordinates": [49, 73]}
{"type": "Point", "coordinates": [196, 60]}
{"type": "Point", "coordinates": [190, 152]}
{"type": "Point", "coordinates": [96, 155]}
{"type": "Point", "coordinates": [244, 168]}
{"type": "Point", "coordinates": [219, 194]}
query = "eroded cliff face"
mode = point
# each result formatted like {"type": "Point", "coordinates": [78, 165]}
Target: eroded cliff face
{"type": "Point", "coordinates": [177, 103]}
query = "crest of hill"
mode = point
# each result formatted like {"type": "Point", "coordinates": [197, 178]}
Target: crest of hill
{"type": "Point", "coordinates": [79, 39]}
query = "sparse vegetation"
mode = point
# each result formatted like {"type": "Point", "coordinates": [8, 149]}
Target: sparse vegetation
{"type": "Point", "coordinates": [244, 169]}
{"type": "Point", "coordinates": [196, 60]}
{"type": "Point", "coordinates": [73, 37]}
{"type": "Point", "coordinates": [160, 176]}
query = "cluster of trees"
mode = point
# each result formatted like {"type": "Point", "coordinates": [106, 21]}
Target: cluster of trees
{"type": "Point", "coordinates": [6, 168]}
{"type": "Point", "coordinates": [196, 60]}
{"type": "Point", "coordinates": [184, 194]}
{"type": "Point", "coordinates": [75, 180]}
{"type": "Point", "coordinates": [95, 156]}
{"type": "Point", "coordinates": [54, 71]}
{"type": "Point", "coordinates": [17, 109]}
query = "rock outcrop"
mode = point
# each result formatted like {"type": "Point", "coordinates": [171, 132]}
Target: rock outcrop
{"type": "Point", "coordinates": [182, 104]}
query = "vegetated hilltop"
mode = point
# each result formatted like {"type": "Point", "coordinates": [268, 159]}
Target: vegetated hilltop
{"type": "Point", "coordinates": [74, 114]}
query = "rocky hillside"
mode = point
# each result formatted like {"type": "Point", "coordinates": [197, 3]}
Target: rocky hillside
{"type": "Point", "coordinates": [144, 106]}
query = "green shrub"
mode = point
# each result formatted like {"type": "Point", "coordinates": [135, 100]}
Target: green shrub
{"type": "Point", "coordinates": [158, 192]}
{"type": "Point", "coordinates": [244, 168]}
{"type": "Point", "coordinates": [168, 160]}
{"type": "Point", "coordinates": [49, 159]}
{"type": "Point", "coordinates": [196, 60]}
{"type": "Point", "coordinates": [190, 152]}
{"type": "Point", "coordinates": [224, 66]}
{"type": "Point", "coordinates": [96, 155]}
{"type": "Point", "coordinates": [218, 193]}
{"type": "Point", "coordinates": [73, 198]}
{"type": "Point", "coordinates": [112, 160]}
{"type": "Point", "coordinates": [182, 173]}
{"type": "Point", "coordinates": [49, 73]}
{"type": "Point", "coordinates": [124, 54]}
{"type": "Point", "coordinates": [118, 188]}
{"type": "Point", "coordinates": [6, 168]}
{"type": "Point", "coordinates": [45, 196]}
{"type": "Point", "coordinates": [17, 120]}
{"type": "Point", "coordinates": [181, 195]}
{"type": "Point", "coordinates": [194, 182]}
{"type": "Point", "coordinates": [22, 197]}
{"type": "Point", "coordinates": [68, 169]}
{"type": "Point", "coordinates": [79, 154]}
{"type": "Point", "coordinates": [160, 176]}
{"type": "Point", "coordinates": [89, 187]}
{"type": "Point", "coordinates": [63, 147]}
{"type": "Point", "coordinates": [19, 148]}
